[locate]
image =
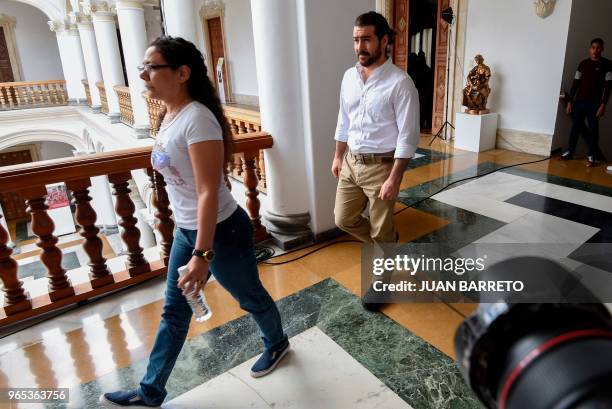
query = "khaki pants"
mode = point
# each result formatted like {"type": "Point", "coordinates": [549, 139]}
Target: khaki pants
{"type": "Point", "coordinates": [358, 186]}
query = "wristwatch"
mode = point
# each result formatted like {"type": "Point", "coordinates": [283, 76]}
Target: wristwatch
{"type": "Point", "coordinates": [207, 255]}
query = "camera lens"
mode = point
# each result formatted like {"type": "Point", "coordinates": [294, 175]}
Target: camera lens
{"type": "Point", "coordinates": [538, 356]}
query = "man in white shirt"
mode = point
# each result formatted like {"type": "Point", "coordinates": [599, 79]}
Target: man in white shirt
{"type": "Point", "coordinates": [379, 123]}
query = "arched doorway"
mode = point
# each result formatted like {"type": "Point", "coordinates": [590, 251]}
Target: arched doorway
{"type": "Point", "coordinates": [27, 148]}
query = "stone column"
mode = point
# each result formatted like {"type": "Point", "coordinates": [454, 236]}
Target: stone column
{"type": "Point", "coordinates": [10, 243]}
{"type": "Point", "coordinates": [133, 32]}
{"type": "Point", "coordinates": [180, 18]}
{"type": "Point", "coordinates": [276, 44]}
{"type": "Point", "coordinates": [71, 56]}
{"type": "Point", "coordinates": [105, 29]}
{"type": "Point", "coordinates": [103, 204]}
{"type": "Point", "coordinates": [92, 60]}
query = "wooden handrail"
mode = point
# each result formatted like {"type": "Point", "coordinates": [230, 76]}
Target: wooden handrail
{"type": "Point", "coordinates": [17, 177]}
{"type": "Point", "coordinates": [32, 94]}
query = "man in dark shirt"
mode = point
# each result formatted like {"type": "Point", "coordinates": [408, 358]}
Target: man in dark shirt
{"type": "Point", "coordinates": [588, 98]}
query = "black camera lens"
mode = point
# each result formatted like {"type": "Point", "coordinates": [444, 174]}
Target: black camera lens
{"type": "Point", "coordinates": [538, 356]}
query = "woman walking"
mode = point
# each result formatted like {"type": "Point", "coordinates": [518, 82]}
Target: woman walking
{"type": "Point", "coordinates": [213, 233]}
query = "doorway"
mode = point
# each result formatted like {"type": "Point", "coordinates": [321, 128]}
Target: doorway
{"type": "Point", "coordinates": [216, 47]}
{"type": "Point", "coordinates": [6, 68]}
{"type": "Point", "coordinates": [421, 49]}
{"type": "Point", "coordinates": [13, 204]}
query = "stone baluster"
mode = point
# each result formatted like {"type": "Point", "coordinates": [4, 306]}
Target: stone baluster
{"type": "Point", "coordinates": [2, 100]}
{"type": "Point", "coordinates": [241, 127]}
{"type": "Point", "coordinates": [24, 93]}
{"type": "Point", "coordinates": [41, 98]}
{"type": "Point", "coordinates": [17, 95]}
{"type": "Point", "coordinates": [54, 97]}
{"type": "Point", "coordinates": [86, 218]}
{"type": "Point", "coordinates": [136, 263]}
{"type": "Point", "coordinates": [15, 297]}
{"type": "Point", "coordinates": [63, 92]}
{"type": "Point", "coordinates": [164, 223]}
{"type": "Point", "coordinates": [250, 182]}
{"type": "Point", "coordinates": [43, 227]}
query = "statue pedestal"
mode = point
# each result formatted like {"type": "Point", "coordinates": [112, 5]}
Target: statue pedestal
{"type": "Point", "coordinates": [475, 133]}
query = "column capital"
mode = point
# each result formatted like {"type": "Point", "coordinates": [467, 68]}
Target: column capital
{"type": "Point", "coordinates": [212, 8]}
{"type": "Point", "coordinates": [6, 19]}
{"type": "Point", "coordinates": [100, 10]}
{"type": "Point", "coordinates": [82, 20]}
{"type": "Point", "coordinates": [62, 27]}
{"type": "Point", "coordinates": [131, 4]}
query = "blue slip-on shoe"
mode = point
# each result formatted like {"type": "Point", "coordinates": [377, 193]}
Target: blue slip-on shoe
{"type": "Point", "coordinates": [124, 399]}
{"type": "Point", "coordinates": [269, 360]}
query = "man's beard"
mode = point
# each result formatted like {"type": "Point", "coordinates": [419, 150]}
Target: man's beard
{"type": "Point", "coordinates": [371, 59]}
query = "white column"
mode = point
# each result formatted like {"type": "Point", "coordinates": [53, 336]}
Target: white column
{"type": "Point", "coordinates": [105, 30]}
{"type": "Point", "coordinates": [180, 18]}
{"type": "Point", "coordinates": [133, 32]}
{"type": "Point", "coordinates": [102, 202]}
{"type": "Point", "coordinates": [147, 238]}
{"type": "Point", "coordinates": [71, 56]}
{"type": "Point", "coordinates": [90, 53]}
{"type": "Point", "coordinates": [10, 243]}
{"type": "Point", "coordinates": [277, 61]}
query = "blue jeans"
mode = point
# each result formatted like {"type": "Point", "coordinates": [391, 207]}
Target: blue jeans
{"type": "Point", "coordinates": [235, 268]}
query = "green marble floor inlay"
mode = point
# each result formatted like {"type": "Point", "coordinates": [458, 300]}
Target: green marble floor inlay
{"type": "Point", "coordinates": [419, 373]}
{"type": "Point", "coordinates": [429, 156]}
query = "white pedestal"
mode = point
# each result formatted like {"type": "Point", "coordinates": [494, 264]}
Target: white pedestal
{"type": "Point", "coordinates": [475, 133]}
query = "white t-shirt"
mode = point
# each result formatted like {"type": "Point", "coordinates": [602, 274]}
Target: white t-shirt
{"type": "Point", "coordinates": [170, 157]}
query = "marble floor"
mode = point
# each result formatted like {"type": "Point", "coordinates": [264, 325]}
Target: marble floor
{"type": "Point", "coordinates": [342, 356]}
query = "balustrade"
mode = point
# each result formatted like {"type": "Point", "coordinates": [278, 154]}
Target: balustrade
{"type": "Point", "coordinates": [125, 104]}
{"type": "Point", "coordinates": [32, 94]}
{"type": "Point", "coordinates": [103, 99]}
{"type": "Point", "coordinates": [87, 92]}
{"type": "Point", "coordinates": [30, 181]}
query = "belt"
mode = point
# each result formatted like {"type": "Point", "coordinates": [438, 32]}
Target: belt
{"type": "Point", "coordinates": [367, 158]}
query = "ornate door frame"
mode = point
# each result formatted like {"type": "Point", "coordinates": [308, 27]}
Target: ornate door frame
{"type": "Point", "coordinates": [215, 9]}
{"type": "Point", "coordinates": [8, 24]}
{"type": "Point", "coordinates": [392, 9]}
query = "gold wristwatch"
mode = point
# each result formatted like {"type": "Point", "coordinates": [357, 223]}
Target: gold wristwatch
{"type": "Point", "coordinates": [207, 255]}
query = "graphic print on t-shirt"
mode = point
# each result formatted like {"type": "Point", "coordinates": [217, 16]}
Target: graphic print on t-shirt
{"type": "Point", "coordinates": [161, 160]}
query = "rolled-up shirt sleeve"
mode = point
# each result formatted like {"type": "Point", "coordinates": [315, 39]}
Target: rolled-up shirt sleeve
{"type": "Point", "coordinates": [406, 105]}
{"type": "Point", "coordinates": [343, 119]}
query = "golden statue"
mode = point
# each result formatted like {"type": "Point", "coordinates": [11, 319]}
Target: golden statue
{"type": "Point", "coordinates": [477, 91]}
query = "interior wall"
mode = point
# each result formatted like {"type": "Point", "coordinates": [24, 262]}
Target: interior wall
{"type": "Point", "coordinates": [589, 19]}
{"type": "Point", "coordinates": [240, 49]}
{"type": "Point", "coordinates": [526, 55]}
{"type": "Point", "coordinates": [36, 44]}
{"type": "Point", "coordinates": [55, 150]}
{"type": "Point", "coordinates": [326, 52]}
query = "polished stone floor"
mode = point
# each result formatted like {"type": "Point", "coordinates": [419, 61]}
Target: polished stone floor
{"type": "Point", "coordinates": [343, 356]}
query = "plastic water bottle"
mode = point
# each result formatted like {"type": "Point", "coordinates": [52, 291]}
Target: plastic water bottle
{"type": "Point", "coordinates": [197, 301]}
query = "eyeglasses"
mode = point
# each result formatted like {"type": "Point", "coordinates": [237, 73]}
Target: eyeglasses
{"type": "Point", "coordinates": [150, 67]}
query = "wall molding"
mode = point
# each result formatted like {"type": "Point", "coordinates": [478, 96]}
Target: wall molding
{"type": "Point", "coordinates": [523, 141]}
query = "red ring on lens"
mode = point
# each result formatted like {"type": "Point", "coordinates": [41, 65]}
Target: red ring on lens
{"type": "Point", "coordinates": [536, 352]}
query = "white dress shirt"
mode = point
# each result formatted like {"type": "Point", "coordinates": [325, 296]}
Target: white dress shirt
{"type": "Point", "coordinates": [380, 115]}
